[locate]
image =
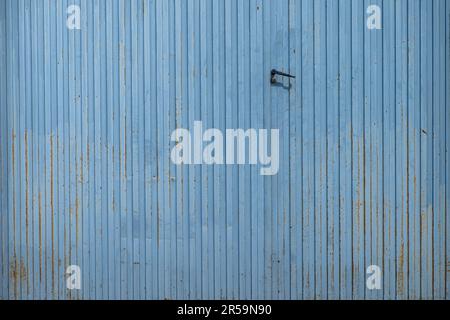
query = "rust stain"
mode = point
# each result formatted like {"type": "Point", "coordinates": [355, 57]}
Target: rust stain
{"type": "Point", "coordinates": [81, 177]}
{"type": "Point", "coordinates": [77, 208]}
{"type": "Point", "coordinates": [33, 204]}
{"type": "Point", "coordinates": [52, 205]}
{"type": "Point", "coordinates": [125, 149]}
{"type": "Point", "coordinates": [88, 154]}
{"type": "Point", "coordinates": [113, 204]}
{"type": "Point", "coordinates": [17, 272]}
{"type": "Point", "coordinates": [13, 274]}
{"type": "Point", "coordinates": [23, 271]}
{"type": "Point", "coordinates": [40, 236]}
{"type": "Point", "coordinates": [158, 223]}
{"type": "Point", "coordinates": [70, 232]}
{"type": "Point", "coordinates": [27, 191]}
{"type": "Point", "coordinates": [401, 275]}
{"type": "Point", "coordinates": [13, 152]}
{"type": "Point", "coordinates": [65, 245]}
{"type": "Point", "coordinates": [77, 200]}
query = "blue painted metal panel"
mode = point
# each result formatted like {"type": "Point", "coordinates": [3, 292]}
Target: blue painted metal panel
{"type": "Point", "coordinates": [86, 176]}
{"type": "Point", "coordinates": [4, 160]}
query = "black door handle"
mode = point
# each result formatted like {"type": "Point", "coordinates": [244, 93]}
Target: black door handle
{"type": "Point", "coordinates": [274, 73]}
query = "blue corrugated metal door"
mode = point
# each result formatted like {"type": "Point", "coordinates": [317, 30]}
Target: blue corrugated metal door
{"type": "Point", "coordinates": [87, 176]}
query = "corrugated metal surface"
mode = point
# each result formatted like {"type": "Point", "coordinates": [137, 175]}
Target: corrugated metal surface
{"type": "Point", "coordinates": [86, 176]}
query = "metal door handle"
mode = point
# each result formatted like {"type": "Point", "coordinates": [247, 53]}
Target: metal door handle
{"type": "Point", "coordinates": [274, 73]}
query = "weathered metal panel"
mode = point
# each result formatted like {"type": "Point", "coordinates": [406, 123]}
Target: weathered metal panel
{"type": "Point", "coordinates": [86, 118]}
{"type": "Point", "coordinates": [4, 161]}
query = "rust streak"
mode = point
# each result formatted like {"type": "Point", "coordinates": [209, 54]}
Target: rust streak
{"type": "Point", "coordinates": [158, 218]}
{"type": "Point", "coordinates": [77, 208]}
{"type": "Point", "coordinates": [27, 190]}
{"type": "Point", "coordinates": [125, 149]}
{"type": "Point", "coordinates": [13, 152]}
{"type": "Point", "coordinates": [52, 205]}
{"type": "Point", "coordinates": [23, 271]}
{"type": "Point", "coordinates": [81, 178]}
{"type": "Point", "coordinates": [70, 231]}
{"type": "Point", "coordinates": [40, 236]}
{"type": "Point", "coordinates": [401, 275]}
{"type": "Point", "coordinates": [88, 152]}
{"type": "Point", "coordinates": [14, 272]}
